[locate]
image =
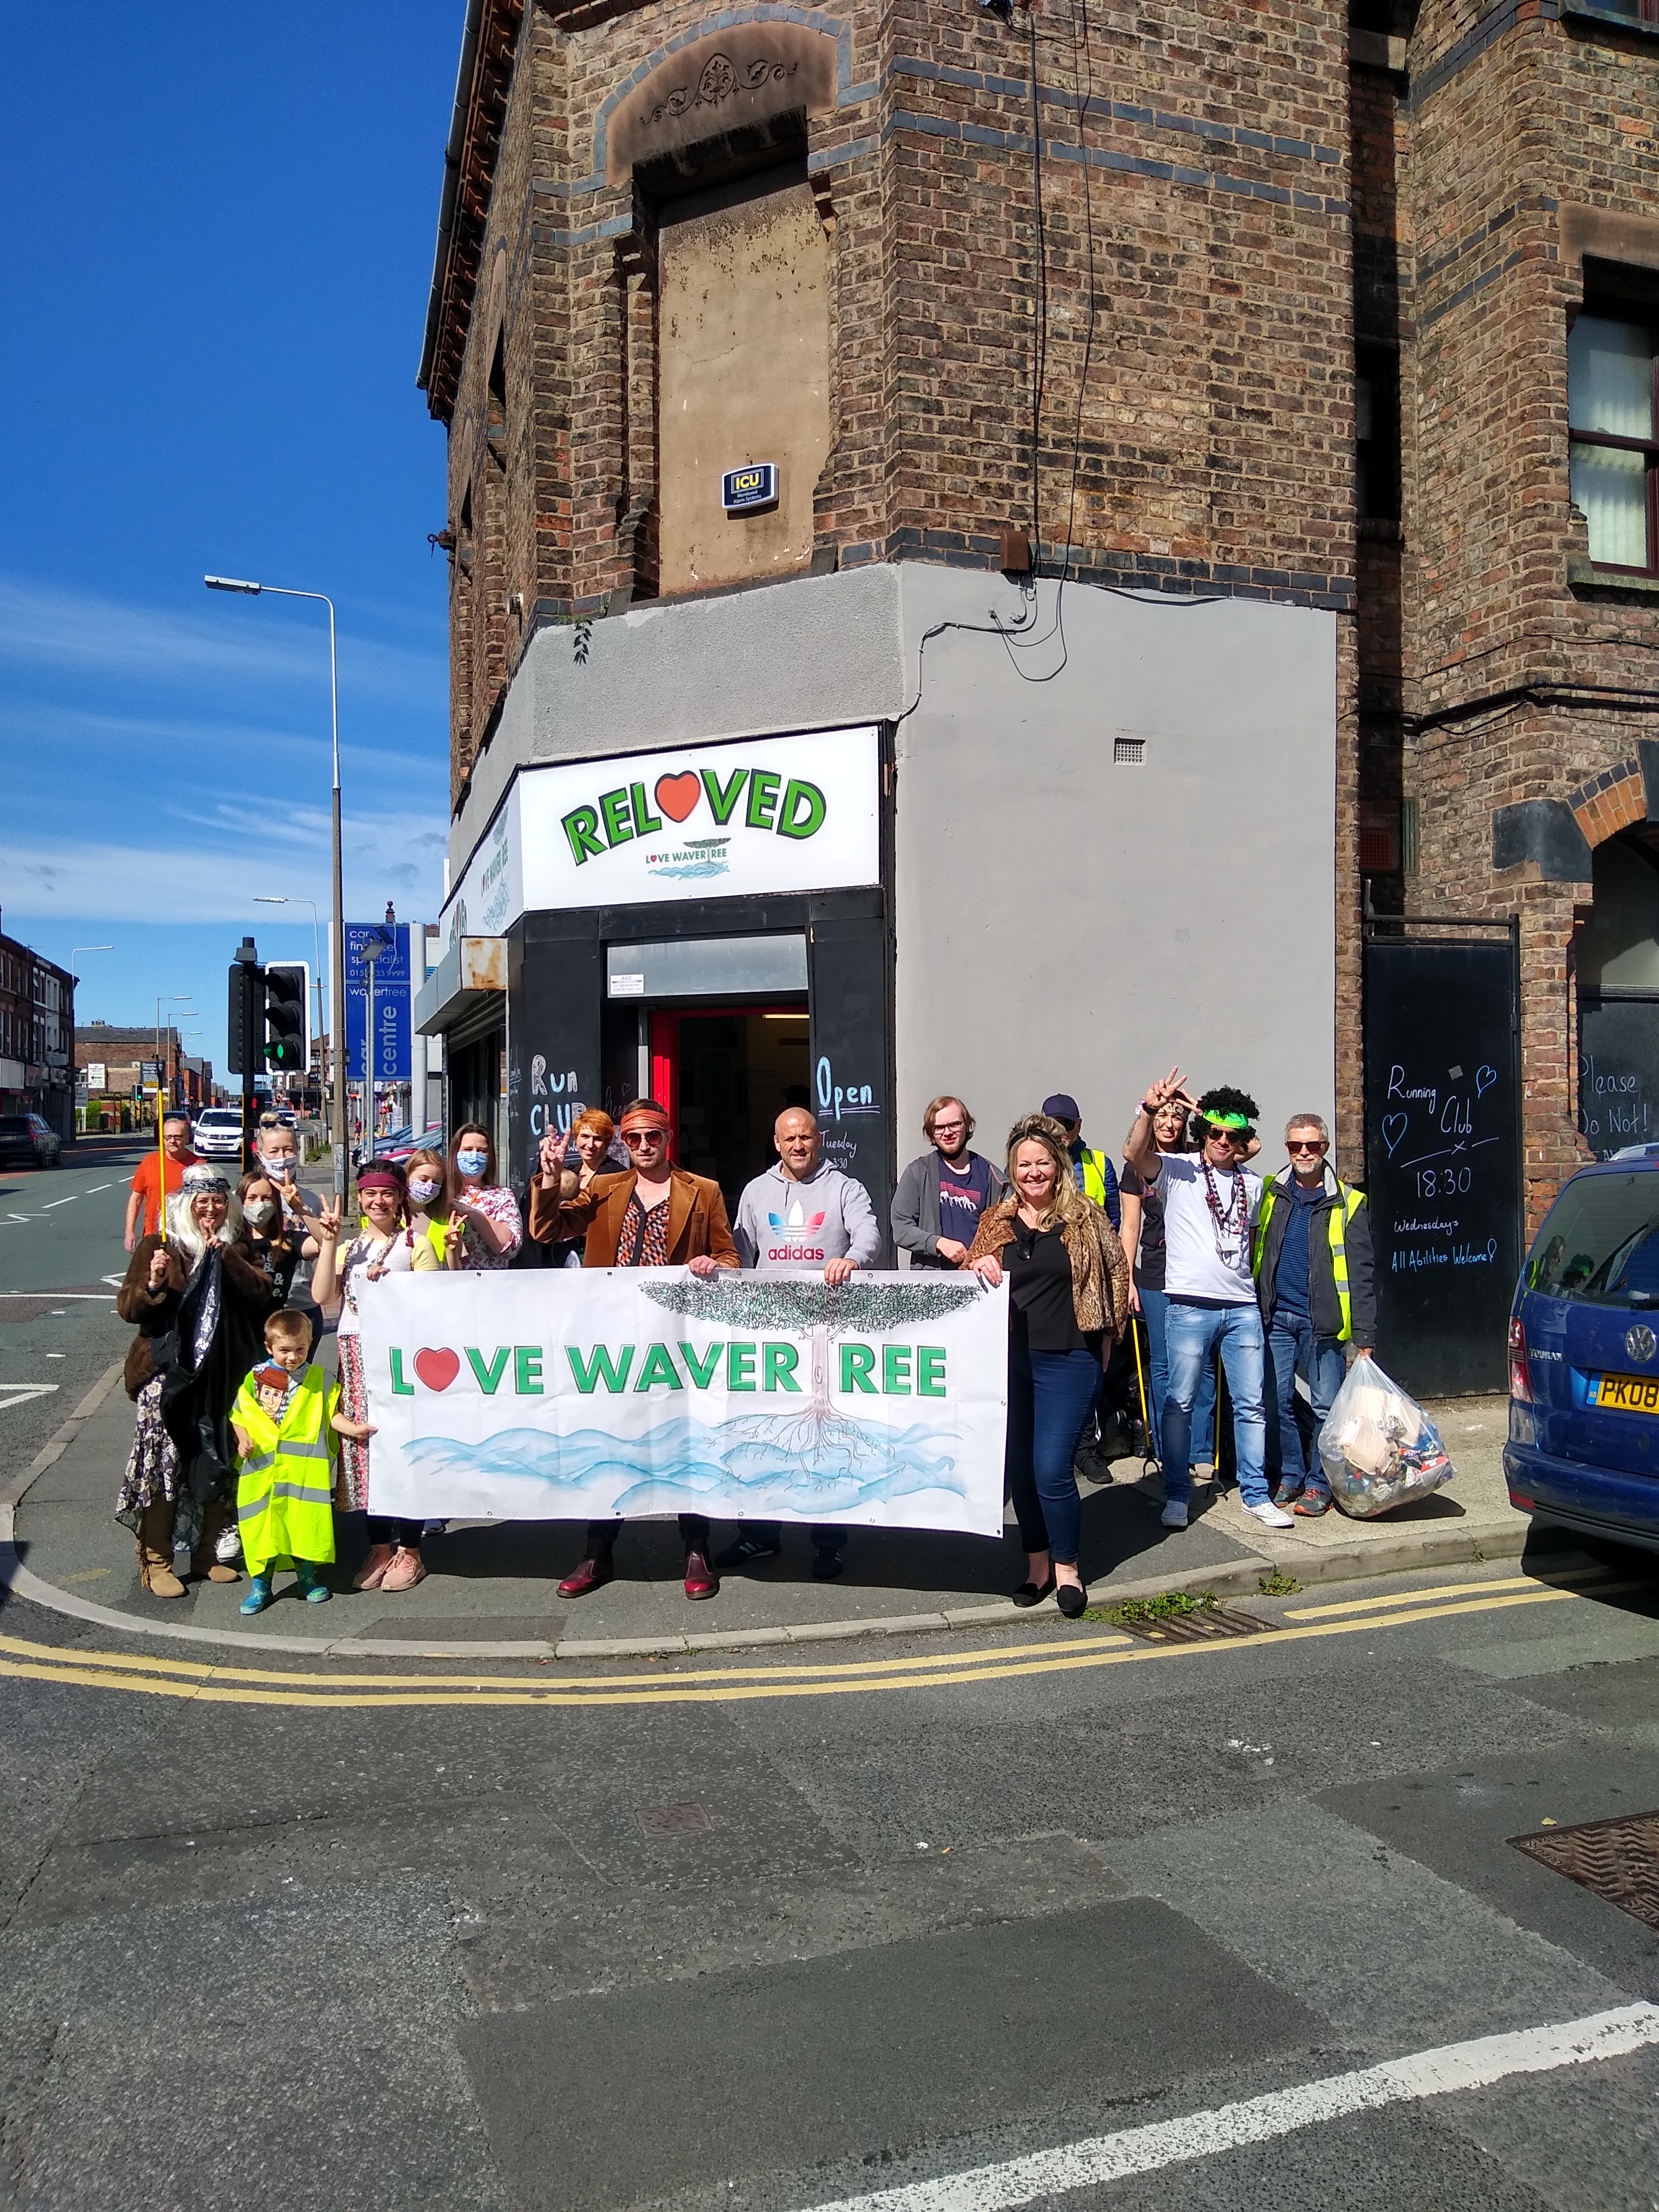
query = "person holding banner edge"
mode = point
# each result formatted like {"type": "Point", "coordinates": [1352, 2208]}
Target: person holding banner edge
{"type": "Point", "coordinates": [652, 1215]}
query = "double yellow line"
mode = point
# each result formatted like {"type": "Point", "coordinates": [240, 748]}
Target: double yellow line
{"type": "Point", "coordinates": [219, 1683]}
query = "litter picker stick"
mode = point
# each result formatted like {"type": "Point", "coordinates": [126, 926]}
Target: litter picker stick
{"type": "Point", "coordinates": [160, 1164]}
{"type": "Point", "coordinates": [1140, 1378]}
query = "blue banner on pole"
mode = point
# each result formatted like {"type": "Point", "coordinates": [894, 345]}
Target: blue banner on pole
{"type": "Point", "coordinates": [393, 1025]}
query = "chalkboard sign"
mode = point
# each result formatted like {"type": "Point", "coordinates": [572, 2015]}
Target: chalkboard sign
{"type": "Point", "coordinates": [1444, 1149]}
{"type": "Point", "coordinates": [1618, 1069]}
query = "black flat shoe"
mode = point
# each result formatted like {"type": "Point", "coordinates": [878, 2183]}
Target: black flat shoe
{"type": "Point", "coordinates": [1029, 1593]}
{"type": "Point", "coordinates": [1071, 1598]}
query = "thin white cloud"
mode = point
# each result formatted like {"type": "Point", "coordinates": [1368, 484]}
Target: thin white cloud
{"type": "Point", "coordinates": [91, 636]}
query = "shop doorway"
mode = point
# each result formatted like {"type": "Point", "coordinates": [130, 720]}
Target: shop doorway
{"type": "Point", "coordinates": [1616, 961]}
{"type": "Point", "coordinates": [724, 1074]}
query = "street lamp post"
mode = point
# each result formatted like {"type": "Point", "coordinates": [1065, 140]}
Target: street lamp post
{"type": "Point", "coordinates": [336, 979]}
{"type": "Point", "coordinates": [174, 999]}
{"type": "Point", "coordinates": [265, 898]}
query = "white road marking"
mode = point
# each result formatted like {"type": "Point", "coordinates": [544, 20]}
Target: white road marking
{"type": "Point", "coordinates": [93, 1193]}
{"type": "Point", "coordinates": [21, 1393]}
{"type": "Point", "coordinates": [1452, 2067]}
{"type": "Point", "coordinates": [50, 1202]}
{"type": "Point", "coordinates": [88, 1298]}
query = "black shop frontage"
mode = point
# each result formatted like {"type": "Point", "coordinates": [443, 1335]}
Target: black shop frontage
{"type": "Point", "coordinates": [727, 1004]}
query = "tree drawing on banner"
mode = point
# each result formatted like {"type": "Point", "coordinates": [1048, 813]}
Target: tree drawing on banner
{"type": "Point", "coordinates": [806, 1305]}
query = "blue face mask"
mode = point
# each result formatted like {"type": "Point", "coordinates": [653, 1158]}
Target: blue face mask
{"type": "Point", "coordinates": [472, 1163]}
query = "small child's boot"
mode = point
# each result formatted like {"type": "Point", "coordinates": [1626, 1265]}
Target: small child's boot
{"type": "Point", "coordinates": [259, 1594]}
{"type": "Point", "coordinates": [313, 1587]}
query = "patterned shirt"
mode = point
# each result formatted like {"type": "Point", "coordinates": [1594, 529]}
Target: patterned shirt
{"type": "Point", "coordinates": [497, 1204]}
{"type": "Point", "coordinates": [644, 1239]}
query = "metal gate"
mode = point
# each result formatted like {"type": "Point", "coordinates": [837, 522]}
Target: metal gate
{"type": "Point", "coordinates": [1442, 1147]}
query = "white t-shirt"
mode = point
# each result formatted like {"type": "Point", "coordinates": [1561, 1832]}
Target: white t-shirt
{"type": "Point", "coordinates": [1205, 1260]}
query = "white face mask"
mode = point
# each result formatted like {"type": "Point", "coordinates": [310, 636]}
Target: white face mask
{"type": "Point", "coordinates": [260, 1212]}
{"type": "Point", "coordinates": [278, 1170]}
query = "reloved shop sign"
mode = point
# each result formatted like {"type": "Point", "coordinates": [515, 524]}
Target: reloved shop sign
{"type": "Point", "coordinates": [756, 815]}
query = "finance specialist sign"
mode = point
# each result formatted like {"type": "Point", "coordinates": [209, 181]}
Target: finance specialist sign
{"type": "Point", "coordinates": [573, 1394]}
{"type": "Point", "coordinates": [756, 815]}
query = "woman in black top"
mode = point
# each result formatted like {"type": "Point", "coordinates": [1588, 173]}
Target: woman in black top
{"type": "Point", "coordinates": [1069, 1299]}
{"type": "Point", "coordinates": [275, 1248]}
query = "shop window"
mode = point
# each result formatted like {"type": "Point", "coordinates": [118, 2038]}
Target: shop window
{"type": "Point", "coordinates": [1610, 418]}
{"type": "Point", "coordinates": [1377, 433]}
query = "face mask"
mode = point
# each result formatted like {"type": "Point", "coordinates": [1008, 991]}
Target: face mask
{"type": "Point", "coordinates": [471, 1163]}
{"type": "Point", "coordinates": [422, 1191]}
{"type": "Point", "coordinates": [260, 1213]}
{"type": "Point", "coordinates": [279, 1170]}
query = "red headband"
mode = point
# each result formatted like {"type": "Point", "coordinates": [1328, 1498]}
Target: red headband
{"type": "Point", "coordinates": [380, 1179]}
{"type": "Point", "coordinates": [645, 1117]}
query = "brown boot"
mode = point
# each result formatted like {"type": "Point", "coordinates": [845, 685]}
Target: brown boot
{"type": "Point", "coordinates": [203, 1559]}
{"type": "Point", "coordinates": [156, 1552]}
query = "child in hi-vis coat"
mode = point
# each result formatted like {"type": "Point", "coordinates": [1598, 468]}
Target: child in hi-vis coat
{"type": "Point", "coordinates": [286, 1418]}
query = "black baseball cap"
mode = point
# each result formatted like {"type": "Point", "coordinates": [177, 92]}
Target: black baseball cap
{"type": "Point", "coordinates": [1062, 1107]}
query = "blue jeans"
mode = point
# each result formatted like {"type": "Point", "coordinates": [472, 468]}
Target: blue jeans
{"type": "Point", "coordinates": [1050, 1395]}
{"type": "Point", "coordinates": [1291, 1344]}
{"type": "Point", "coordinates": [1155, 1306]}
{"type": "Point", "coordinates": [1193, 1333]}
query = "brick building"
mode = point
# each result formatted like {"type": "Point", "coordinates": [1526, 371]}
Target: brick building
{"type": "Point", "coordinates": [1310, 365]}
{"type": "Point", "coordinates": [1029, 337]}
{"type": "Point", "coordinates": [37, 1020]}
{"type": "Point", "coordinates": [110, 1064]}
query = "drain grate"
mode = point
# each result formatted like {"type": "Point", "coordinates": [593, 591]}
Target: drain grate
{"type": "Point", "coordinates": [1214, 1624]}
{"type": "Point", "coordinates": [1616, 1860]}
{"type": "Point", "coordinates": [673, 1819]}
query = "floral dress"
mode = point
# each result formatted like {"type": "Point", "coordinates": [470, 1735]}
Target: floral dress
{"type": "Point", "coordinates": [397, 1255]}
{"type": "Point", "coordinates": [498, 1206]}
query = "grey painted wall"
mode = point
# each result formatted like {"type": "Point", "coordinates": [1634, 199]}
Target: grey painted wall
{"type": "Point", "coordinates": [820, 653]}
{"type": "Point", "coordinates": [1064, 924]}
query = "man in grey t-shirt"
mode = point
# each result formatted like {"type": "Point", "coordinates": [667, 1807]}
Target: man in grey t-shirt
{"type": "Point", "coordinates": [798, 1217]}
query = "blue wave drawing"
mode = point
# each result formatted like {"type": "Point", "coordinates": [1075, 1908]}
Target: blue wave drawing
{"type": "Point", "coordinates": [741, 1468]}
{"type": "Point", "coordinates": [696, 868]}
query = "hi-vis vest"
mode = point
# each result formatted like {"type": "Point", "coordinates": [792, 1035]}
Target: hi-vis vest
{"type": "Point", "coordinates": [1336, 1222]}
{"type": "Point", "coordinates": [1093, 1165]}
{"type": "Point", "coordinates": [285, 1487]}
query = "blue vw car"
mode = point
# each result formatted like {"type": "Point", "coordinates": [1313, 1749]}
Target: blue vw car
{"type": "Point", "coordinates": [1583, 1443]}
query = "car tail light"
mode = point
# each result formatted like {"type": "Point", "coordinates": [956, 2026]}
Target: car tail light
{"type": "Point", "coordinates": [1519, 1381]}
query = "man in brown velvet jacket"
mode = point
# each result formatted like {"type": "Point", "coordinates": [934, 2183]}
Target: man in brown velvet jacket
{"type": "Point", "coordinates": [654, 1215]}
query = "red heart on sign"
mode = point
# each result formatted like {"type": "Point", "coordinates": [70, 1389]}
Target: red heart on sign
{"type": "Point", "coordinates": [677, 795]}
{"type": "Point", "coordinates": [437, 1370]}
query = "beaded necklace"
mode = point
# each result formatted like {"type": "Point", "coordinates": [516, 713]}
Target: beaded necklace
{"type": "Point", "coordinates": [1230, 1223]}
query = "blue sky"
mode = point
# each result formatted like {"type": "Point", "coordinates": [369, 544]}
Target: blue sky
{"type": "Point", "coordinates": [216, 277]}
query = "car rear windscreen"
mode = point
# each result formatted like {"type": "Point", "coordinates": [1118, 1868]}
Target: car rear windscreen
{"type": "Point", "coordinates": [1600, 1242]}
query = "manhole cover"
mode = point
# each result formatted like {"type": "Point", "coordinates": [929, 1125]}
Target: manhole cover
{"type": "Point", "coordinates": [673, 1819]}
{"type": "Point", "coordinates": [1617, 1861]}
{"type": "Point", "coordinates": [1209, 1625]}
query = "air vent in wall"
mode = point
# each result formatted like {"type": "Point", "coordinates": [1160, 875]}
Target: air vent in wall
{"type": "Point", "coordinates": [1129, 752]}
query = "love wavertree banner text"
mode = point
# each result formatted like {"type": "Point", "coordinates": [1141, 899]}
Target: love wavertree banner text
{"type": "Point", "coordinates": [571, 1395]}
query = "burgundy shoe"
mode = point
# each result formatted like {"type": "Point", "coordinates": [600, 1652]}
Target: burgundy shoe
{"type": "Point", "coordinates": [701, 1580]}
{"type": "Point", "coordinates": [588, 1577]}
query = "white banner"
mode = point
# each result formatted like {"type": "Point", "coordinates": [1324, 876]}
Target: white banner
{"type": "Point", "coordinates": [566, 1394]}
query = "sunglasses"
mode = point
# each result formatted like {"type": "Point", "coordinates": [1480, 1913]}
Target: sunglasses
{"type": "Point", "coordinates": [1239, 1137]}
{"type": "Point", "coordinates": [1304, 1144]}
{"type": "Point", "coordinates": [634, 1138]}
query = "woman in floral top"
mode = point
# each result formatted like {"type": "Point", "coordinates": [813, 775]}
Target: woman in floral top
{"type": "Point", "coordinates": [485, 1226]}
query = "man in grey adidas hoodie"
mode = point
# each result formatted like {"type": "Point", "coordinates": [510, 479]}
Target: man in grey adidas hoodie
{"type": "Point", "coordinates": [797, 1218]}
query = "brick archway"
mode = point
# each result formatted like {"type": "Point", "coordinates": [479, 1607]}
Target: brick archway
{"type": "Point", "coordinates": [1615, 800]}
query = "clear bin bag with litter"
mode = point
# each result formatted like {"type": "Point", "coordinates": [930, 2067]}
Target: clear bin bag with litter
{"type": "Point", "coordinates": [1378, 1448]}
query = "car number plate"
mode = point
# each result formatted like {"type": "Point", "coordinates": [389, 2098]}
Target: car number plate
{"type": "Point", "coordinates": [1625, 1394]}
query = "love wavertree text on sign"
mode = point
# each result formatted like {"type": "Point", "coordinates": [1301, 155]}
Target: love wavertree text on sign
{"type": "Point", "coordinates": [568, 1396]}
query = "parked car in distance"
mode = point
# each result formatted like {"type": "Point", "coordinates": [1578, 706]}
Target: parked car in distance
{"type": "Point", "coordinates": [1584, 1443]}
{"type": "Point", "coordinates": [218, 1133]}
{"type": "Point", "coordinates": [26, 1142]}
{"type": "Point", "coordinates": [401, 1144]}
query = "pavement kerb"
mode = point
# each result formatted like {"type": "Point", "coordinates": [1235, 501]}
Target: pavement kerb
{"type": "Point", "coordinates": [1403, 1552]}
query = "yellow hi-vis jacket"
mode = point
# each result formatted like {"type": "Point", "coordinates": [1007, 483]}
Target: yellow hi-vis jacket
{"type": "Point", "coordinates": [285, 1487]}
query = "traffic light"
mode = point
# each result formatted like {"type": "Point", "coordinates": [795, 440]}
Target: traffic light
{"type": "Point", "coordinates": [245, 1027]}
{"type": "Point", "coordinates": [286, 1043]}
